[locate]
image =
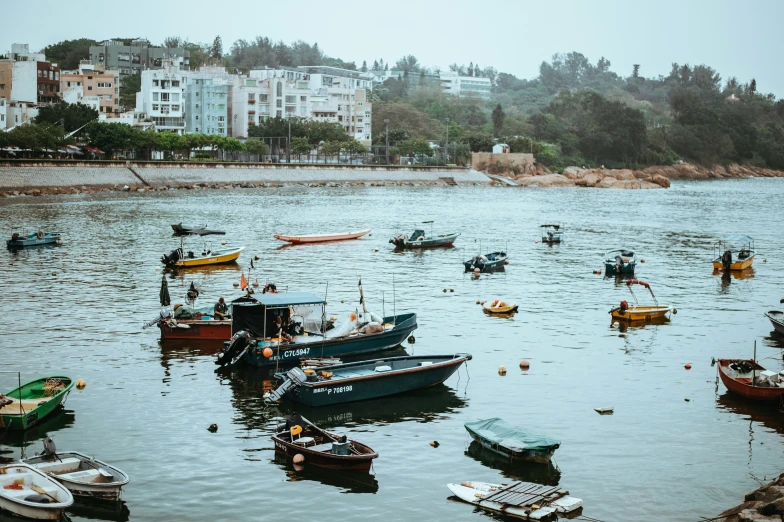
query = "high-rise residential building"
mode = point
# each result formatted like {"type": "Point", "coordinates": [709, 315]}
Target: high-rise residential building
{"type": "Point", "coordinates": [206, 101]}
{"type": "Point", "coordinates": [137, 57]}
{"type": "Point", "coordinates": [162, 97]}
{"type": "Point", "coordinates": [95, 85]}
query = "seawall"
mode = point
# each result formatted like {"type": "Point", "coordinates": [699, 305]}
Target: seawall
{"type": "Point", "coordinates": [64, 176]}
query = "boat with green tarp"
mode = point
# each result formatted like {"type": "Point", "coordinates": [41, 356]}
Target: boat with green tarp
{"type": "Point", "coordinates": [24, 407]}
{"type": "Point", "coordinates": [513, 442]}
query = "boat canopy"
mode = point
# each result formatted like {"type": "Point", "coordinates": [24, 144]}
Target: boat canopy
{"type": "Point", "coordinates": [515, 438]}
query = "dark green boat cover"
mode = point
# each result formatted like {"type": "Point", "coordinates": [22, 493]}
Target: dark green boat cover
{"type": "Point", "coordinates": [515, 438]}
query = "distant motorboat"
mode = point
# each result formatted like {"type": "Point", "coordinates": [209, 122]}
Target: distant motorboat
{"type": "Point", "coordinates": [321, 238]}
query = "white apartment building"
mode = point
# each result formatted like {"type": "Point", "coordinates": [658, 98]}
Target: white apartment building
{"type": "Point", "coordinates": [162, 97]}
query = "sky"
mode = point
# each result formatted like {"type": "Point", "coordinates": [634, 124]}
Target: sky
{"type": "Point", "coordinates": [741, 39]}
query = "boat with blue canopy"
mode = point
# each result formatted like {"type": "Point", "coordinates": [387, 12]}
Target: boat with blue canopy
{"type": "Point", "coordinates": [733, 253]}
{"type": "Point", "coordinates": [278, 329]}
{"type": "Point", "coordinates": [514, 442]}
{"type": "Point", "coordinates": [33, 236]}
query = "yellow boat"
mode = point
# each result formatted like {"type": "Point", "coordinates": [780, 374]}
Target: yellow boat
{"type": "Point", "coordinates": [637, 313]}
{"type": "Point", "coordinates": [733, 253]}
{"type": "Point", "coordinates": [499, 307]}
{"type": "Point", "coordinates": [180, 259]}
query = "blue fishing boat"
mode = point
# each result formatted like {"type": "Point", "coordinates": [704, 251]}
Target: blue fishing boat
{"type": "Point", "coordinates": [619, 261]}
{"type": "Point", "coordinates": [280, 329]}
{"type": "Point", "coordinates": [31, 237]}
{"type": "Point", "coordinates": [364, 380]}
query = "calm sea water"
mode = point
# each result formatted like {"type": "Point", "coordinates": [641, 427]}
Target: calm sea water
{"type": "Point", "coordinates": [78, 310]}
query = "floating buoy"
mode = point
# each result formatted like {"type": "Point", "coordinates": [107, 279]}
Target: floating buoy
{"type": "Point", "coordinates": [267, 352]}
{"type": "Point", "coordinates": [236, 285]}
{"type": "Point", "coordinates": [213, 428]}
{"type": "Point", "coordinates": [524, 365]}
{"type": "Point", "coordinates": [299, 458]}
{"type": "Point", "coordinates": [435, 444]}
{"type": "Point", "coordinates": [502, 370]}
{"type": "Point", "coordinates": [687, 366]}
{"type": "Point", "coordinates": [411, 339]}
{"type": "Point", "coordinates": [80, 384]}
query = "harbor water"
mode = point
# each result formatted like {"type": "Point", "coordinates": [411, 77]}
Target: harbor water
{"type": "Point", "coordinates": [678, 447]}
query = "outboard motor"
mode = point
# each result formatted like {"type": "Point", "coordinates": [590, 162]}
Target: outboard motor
{"type": "Point", "coordinates": [172, 258]}
{"type": "Point", "coordinates": [726, 259]}
{"type": "Point", "coordinates": [239, 342]}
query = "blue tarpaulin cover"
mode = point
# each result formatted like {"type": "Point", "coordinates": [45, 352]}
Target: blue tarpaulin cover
{"type": "Point", "coordinates": [515, 438]}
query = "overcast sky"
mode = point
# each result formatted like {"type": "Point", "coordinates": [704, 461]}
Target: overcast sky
{"type": "Point", "coordinates": [742, 39]}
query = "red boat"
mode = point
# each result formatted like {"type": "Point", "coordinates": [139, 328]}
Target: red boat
{"type": "Point", "coordinates": [747, 378]}
{"type": "Point", "coordinates": [209, 329]}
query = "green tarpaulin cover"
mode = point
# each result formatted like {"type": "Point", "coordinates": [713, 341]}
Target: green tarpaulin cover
{"type": "Point", "coordinates": [515, 438]}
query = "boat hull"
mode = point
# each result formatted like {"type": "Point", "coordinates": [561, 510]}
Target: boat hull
{"type": "Point", "coordinates": [736, 265]}
{"type": "Point", "coordinates": [744, 387]}
{"type": "Point", "coordinates": [207, 330]}
{"type": "Point", "coordinates": [777, 320]}
{"type": "Point", "coordinates": [293, 352]}
{"type": "Point", "coordinates": [321, 238]}
{"type": "Point", "coordinates": [32, 412]}
{"type": "Point", "coordinates": [325, 393]}
{"type": "Point", "coordinates": [640, 313]}
{"type": "Point", "coordinates": [359, 463]}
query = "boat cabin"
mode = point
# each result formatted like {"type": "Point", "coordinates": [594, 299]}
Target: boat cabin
{"type": "Point", "coordinates": [265, 315]}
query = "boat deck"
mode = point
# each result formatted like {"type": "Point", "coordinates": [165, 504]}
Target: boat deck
{"type": "Point", "coordinates": [526, 494]}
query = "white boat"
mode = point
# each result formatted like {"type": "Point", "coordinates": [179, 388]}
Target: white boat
{"type": "Point", "coordinates": [321, 238]}
{"type": "Point", "coordinates": [84, 476]}
{"type": "Point", "coordinates": [524, 500]}
{"type": "Point", "coordinates": [27, 492]}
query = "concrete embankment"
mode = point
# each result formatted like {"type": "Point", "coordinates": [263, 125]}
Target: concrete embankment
{"type": "Point", "coordinates": [765, 504]}
{"type": "Point", "coordinates": [44, 177]}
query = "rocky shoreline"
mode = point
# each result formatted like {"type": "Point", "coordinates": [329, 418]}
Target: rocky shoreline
{"type": "Point", "coordinates": [765, 504]}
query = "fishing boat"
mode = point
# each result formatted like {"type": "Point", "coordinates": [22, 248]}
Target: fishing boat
{"type": "Point", "coordinates": [364, 380]}
{"type": "Point", "coordinates": [185, 230]}
{"type": "Point", "coordinates": [178, 258]}
{"type": "Point", "coordinates": [552, 234]}
{"type": "Point", "coordinates": [637, 312]}
{"type": "Point", "coordinates": [776, 318]}
{"type": "Point", "coordinates": [274, 329]}
{"type": "Point", "coordinates": [85, 477]}
{"type": "Point", "coordinates": [750, 380]}
{"type": "Point", "coordinates": [499, 306]}
{"type": "Point", "coordinates": [321, 238]}
{"type": "Point", "coordinates": [487, 262]}
{"type": "Point", "coordinates": [619, 261]}
{"type": "Point", "coordinates": [23, 407]}
{"type": "Point", "coordinates": [524, 500]}
{"type": "Point", "coordinates": [32, 237]}
{"type": "Point", "coordinates": [320, 448]}
{"type": "Point", "coordinates": [28, 493]}
{"type": "Point", "coordinates": [513, 442]}
{"type": "Point", "coordinates": [418, 239]}
{"type": "Point", "coordinates": [733, 253]}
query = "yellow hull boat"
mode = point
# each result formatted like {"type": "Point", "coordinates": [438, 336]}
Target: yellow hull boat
{"type": "Point", "coordinates": [216, 257]}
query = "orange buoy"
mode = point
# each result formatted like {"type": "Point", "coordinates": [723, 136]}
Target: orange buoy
{"type": "Point", "coordinates": [524, 365]}
{"type": "Point", "coordinates": [267, 352]}
{"type": "Point", "coordinates": [688, 366]}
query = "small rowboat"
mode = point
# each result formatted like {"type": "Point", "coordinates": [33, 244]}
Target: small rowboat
{"type": "Point", "coordinates": [749, 379]}
{"type": "Point", "coordinates": [321, 238]}
{"type": "Point", "coordinates": [486, 263]}
{"type": "Point", "coordinates": [620, 261]}
{"type": "Point", "coordinates": [524, 500]}
{"type": "Point", "coordinates": [636, 312]}
{"type": "Point", "coordinates": [321, 448]}
{"type": "Point", "coordinates": [179, 259]}
{"type": "Point", "coordinates": [733, 253]}
{"type": "Point", "coordinates": [84, 476]}
{"type": "Point", "coordinates": [499, 307]}
{"type": "Point", "coordinates": [513, 442]}
{"type": "Point", "coordinates": [24, 407]}
{"type": "Point", "coordinates": [29, 493]}
{"type": "Point", "coordinates": [31, 237]}
{"type": "Point", "coordinates": [777, 320]}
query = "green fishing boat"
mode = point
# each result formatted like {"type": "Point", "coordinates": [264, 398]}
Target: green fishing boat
{"type": "Point", "coordinates": [24, 407]}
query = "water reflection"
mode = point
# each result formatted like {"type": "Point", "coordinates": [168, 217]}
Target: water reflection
{"type": "Point", "coordinates": [349, 482]}
{"type": "Point", "coordinates": [547, 474]}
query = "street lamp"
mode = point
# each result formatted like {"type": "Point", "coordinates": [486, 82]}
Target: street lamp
{"type": "Point", "coordinates": [446, 147]}
{"type": "Point", "coordinates": [386, 122]}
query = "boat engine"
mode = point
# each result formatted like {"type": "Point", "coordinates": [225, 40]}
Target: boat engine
{"type": "Point", "coordinates": [726, 259]}
{"type": "Point", "coordinates": [239, 342]}
{"type": "Point", "coordinates": [174, 256]}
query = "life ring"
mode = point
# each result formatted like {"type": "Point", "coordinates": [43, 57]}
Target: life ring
{"type": "Point", "coordinates": [40, 234]}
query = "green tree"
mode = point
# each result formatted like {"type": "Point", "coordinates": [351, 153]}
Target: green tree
{"type": "Point", "coordinates": [70, 116]}
{"type": "Point", "coordinates": [498, 119]}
